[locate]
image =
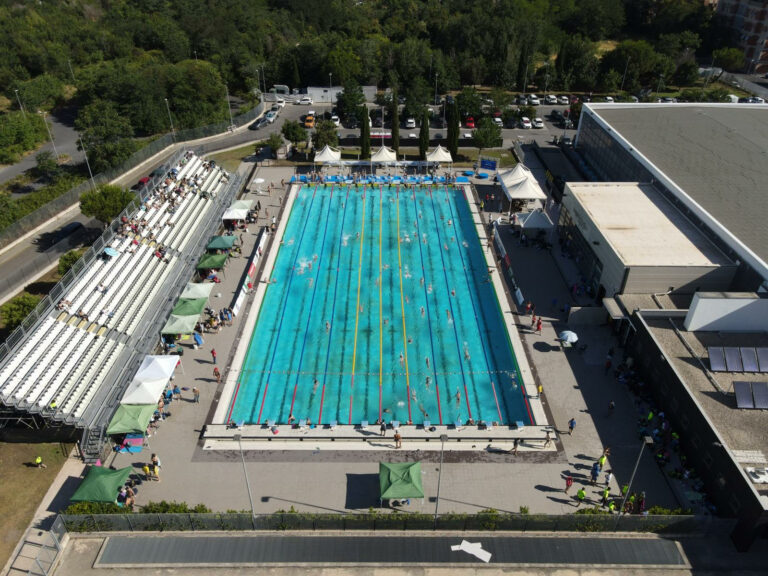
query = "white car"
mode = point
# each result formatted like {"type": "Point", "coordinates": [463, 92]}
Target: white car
{"type": "Point", "coordinates": [538, 123]}
{"type": "Point", "coordinates": [306, 100]}
{"type": "Point", "coordinates": [609, 98]}
{"type": "Point", "coordinates": [335, 120]}
{"type": "Point", "coordinates": [311, 113]}
{"type": "Point", "coordinates": [410, 123]}
{"type": "Point", "coordinates": [499, 122]}
{"type": "Point", "coordinates": [280, 102]}
{"type": "Point", "coordinates": [563, 100]}
{"type": "Point", "coordinates": [550, 99]}
{"type": "Point", "coordinates": [271, 116]}
{"type": "Point", "coordinates": [533, 100]}
{"type": "Point", "coordinates": [525, 122]}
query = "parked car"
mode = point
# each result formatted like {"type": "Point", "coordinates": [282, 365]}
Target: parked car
{"type": "Point", "coordinates": [498, 121]}
{"type": "Point", "coordinates": [271, 116]}
{"type": "Point", "coordinates": [533, 100]}
{"type": "Point", "coordinates": [563, 100]}
{"type": "Point", "coordinates": [410, 123]}
{"type": "Point", "coordinates": [574, 99]}
{"type": "Point", "coordinates": [538, 123]}
{"type": "Point", "coordinates": [280, 102]}
{"type": "Point", "coordinates": [525, 122]}
{"type": "Point", "coordinates": [306, 100]}
{"type": "Point", "coordinates": [275, 108]}
{"type": "Point", "coordinates": [609, 99]}
{"type": "Point", "coordinates": [469, 122]}
{"type": "Point", "coordinates": [261, 122]}
{"type": "Point", "coordinates": [309, 121]}
{"type": "Point", "coordinates": [522, 100]}
{"type": "Point", "coordinates": [550, 99]}
{"type": "Point", "coordinates": [335, 120]}
{"type": "Point", "coordinates": [351, 122]}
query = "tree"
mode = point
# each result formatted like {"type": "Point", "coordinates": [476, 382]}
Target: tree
{"type": "Point", "coordinates": [348, 101]}
{"type": "Point", "coordinates": [424, 135]}
{"type": "Point", "coordinates": [487, 134]}
{"type": "Point", "coordinates": [395, 122]}
{"type": "Point", "coordinates": [106, 133]}
{"type": "Point", "coordinates": [687, 73]}
{"type": "Point", "coordinates": [294, 132]}
{"type": "Point", "coordinates": [15, 310]}
{"type": "Point", "coordinates": [275, 142]}
{"type": "Point", "coordinates": [365, 133]}
{"type": "Point", "coordinates": [325, 135]}
{"type": "Point", "coordinates": [68, 259]}
{"type": "Point", "coordinates": [106, 202]}
{"type": "Point", "coordinates": [730, 59]}
{"type": "Point", "coordinates": [469, 103]}
{"type": "Point", "coordinates": [46, 166]}
{"type": "Point", "coordinates": [453, 129]}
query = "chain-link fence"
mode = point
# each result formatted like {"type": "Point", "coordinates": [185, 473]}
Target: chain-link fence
{"type": "Point", "coordinates": [384, 522]}
{"type": "Point", "coordinates": [61, 203]}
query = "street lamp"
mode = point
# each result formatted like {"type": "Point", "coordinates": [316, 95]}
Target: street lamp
{"type": "Point", "coordinates": [69, 63]}
{"type": "Point", "coordinates": [624, 77]}
{"type": "Point", "coordinates": [435, 86]}
{"type": "Point", "coordinates": [229, 106]}
{"type": "Point", "coordinates": [20, 105]}
{"type": "Point", "coordinates": [238, 438]}
{"type": "Point", "coordinates": [173, 131]}
{"type": "Point", "coordinates": [443, 438]}
{"type": "Point", "coordinates": [264, 78]}
{"type": "Point", "coordinates": [86, 161]}
{"type": "Point", "coordinates": [47, 129]}
{"type": "Point", "coordinates": [647, 441]}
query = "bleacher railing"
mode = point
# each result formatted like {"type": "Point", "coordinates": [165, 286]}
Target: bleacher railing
{"type": "Point", "coordinates": [61, 203]}
{"type": "Point", "coordinates": [385, 522]}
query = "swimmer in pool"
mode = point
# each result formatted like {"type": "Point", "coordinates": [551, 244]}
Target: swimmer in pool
{"type": "Point", "coordinates": [327, 326]}
{"type": "Point", "coordinates": [427, 359]}
{"type": "Point", "coordinates": [427, 382]}
{"type": "Point", "coordinates": [458, 398]}
{"type": "Point", "coordinates": [422, 311]}
{"type": "Point", "coordinates": [315, 384]}
{"type": "Point", "coordinates": [402, 359]}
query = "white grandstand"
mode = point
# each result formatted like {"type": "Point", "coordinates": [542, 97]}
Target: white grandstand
{"type": "Point", "coordinates": [66, 365]}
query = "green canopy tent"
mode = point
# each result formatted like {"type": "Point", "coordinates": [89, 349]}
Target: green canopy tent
{"type": "Point", "coordinates": [180, 324]}
{"type": "Point", "coordinates": [221, 243]}
{"type": "Point", "coordinates": [193, 290]}
{"type": "Point", "coordinates": [189, 307]}
{"type": "Point", "coordinates": [212, 261]}
{"type": "Point", "coordinates": [131, 419]}
{"type": "Point", "coordinates": [101, 484]}
{"type": "Point", "coordinates": [400, 480]}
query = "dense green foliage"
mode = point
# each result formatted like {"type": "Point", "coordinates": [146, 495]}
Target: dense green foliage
{"type": "Point", "coordinates": [325, 135]}
{"type": "Point", "coordinates": [487, 134]}
{"type": "Point", "coordinates": [68, 260]}
{"type": "Point", "coordinates": [162, 507]}
{"type": "Point", "coordinates": [294, 132]}
{"type": "Point", "coordinates": [19, 133]}
{"type": "Point", "coordinates": [424, 135]}
{"type": "Point", "coordinates": [106, 202]}
{"type": "Point", "coordinates": [16, 309]}
{"type": "Point", "coordinates": [365, 133]}
{"type": "Point", "coordinates": [12, 209]}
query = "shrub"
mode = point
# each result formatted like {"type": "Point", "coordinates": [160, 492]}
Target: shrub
{"type": "Point", "coordinates": [68, 260]}
{"type": "Point", "coordinates": [16, 309]}
{"type": "Point", "coordinates": [78, 508]}
{"type": "Point", "coordinates": [164, 507]}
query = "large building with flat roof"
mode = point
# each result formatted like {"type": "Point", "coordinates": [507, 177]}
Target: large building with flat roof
{"type": "Point", "coordinates": [710, 160]}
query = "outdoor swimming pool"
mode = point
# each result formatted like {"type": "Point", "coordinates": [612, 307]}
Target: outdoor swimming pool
{"type": "Point", "coordinates": [380, 307]}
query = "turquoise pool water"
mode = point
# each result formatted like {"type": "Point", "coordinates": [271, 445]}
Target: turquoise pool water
{"type": "Point", "coordinates": [380, 307]}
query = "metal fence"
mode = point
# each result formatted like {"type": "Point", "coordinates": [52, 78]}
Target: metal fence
{"type": "Point", "coordinates": [383, 522]}
{"type": "Point", "coordinates": [49, 210]}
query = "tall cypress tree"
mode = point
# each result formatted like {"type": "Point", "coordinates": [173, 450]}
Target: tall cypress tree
{"type": "Point", "coordinates": [395, 122]}
{"type": "Point", "coordinates": [365, 133]}
{"type": "Point", "coordinates": [424, 135]}
{"type": "Point", "coordinates": [453, 130]}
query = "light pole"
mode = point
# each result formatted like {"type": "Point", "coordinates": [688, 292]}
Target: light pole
{"type": "Point", "coordinates": [658, 88]}
{"type": "Point", "coordinates": [647, 441]}
{"type": "Point", "coordinates": [88, 164]}
{"type": "Point", "coordinates": [229, 106]}
{"type": "Point", "coordinates": [238, 437]}
{"type": "Point", "coordinates": [18, 98]}
{"type": "Point", "coordinates": [47, 129]}
{"type": "Point", "coordinates": [435, 87]}
{"type": "Point", "coordinates": [443, 438]}
{"type": "Point", "coordinates": [69, 63]}
{"type": "Point", "coordinates": [258, 80]}
{"type": "Point", "coordinates": [330, 86]}
{"type": "Point", "coordinates": [264, 78]}
{"type": "Point", "coordinates": [624, 77]}
{"type": "Point", "coordinates": [173, 131]}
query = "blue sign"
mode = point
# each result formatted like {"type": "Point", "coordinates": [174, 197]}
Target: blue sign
{"type": "Point", "coordinates": [488, 164]}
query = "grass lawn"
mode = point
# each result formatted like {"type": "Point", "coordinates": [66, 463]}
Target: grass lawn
{"type": "Point", "coordinates": [23, 486]}
{"type": "Point", "coordinates": [231, 159]}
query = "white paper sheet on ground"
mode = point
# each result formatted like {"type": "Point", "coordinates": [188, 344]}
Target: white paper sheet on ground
{"type": "Point", "coordinates": [474, 548]}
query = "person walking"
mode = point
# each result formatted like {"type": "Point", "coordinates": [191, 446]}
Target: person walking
{"type": "Point", "coordinates": [515, 446]}
{"type": "Point", "coordinates": [548, 439]}
{"type": "Point", "coordinates": [383, 429]}
{"type": "Point", "coordinates": [538, 326]}
{"type": "Point", "coordinates": [196, 395]}
{"type": "Point", "coordinates": [594, 473]}
{"type": "Point", "coordinates": [608, 477]}
{"type": "Point", "coordinates": [571, 426]}
{"type": "Point", "coordinates": [217, 374]}
{"type": "Point", "coordinates": [213, 355]}
{"type": "Point", "coordinates": [601, 461]}
{"type": "Point", "coordinates": [533, 320]}
{"type": "Point", "coordinates": [568, 483]}
{"type": "Point", "coordinates": [606, 495]}
{"type": "Point", "coordinates": [581, 495]}
{"type": "Point", "coordinates": [398, 439]}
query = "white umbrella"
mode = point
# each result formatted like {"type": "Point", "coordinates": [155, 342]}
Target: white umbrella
{"type": "Point", "coordinates": [259, 180]}
{"type": "Point", "coordinates": [568, 336]}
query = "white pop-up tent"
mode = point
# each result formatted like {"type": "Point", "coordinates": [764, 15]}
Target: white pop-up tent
{"type": "Point", "coordinates": [384, 155]}
{"type": "Point", "coordinates": [519, 183]}
{"type": "Point", "coordinates": [536, 220]}
{"type": "Point", "coordinates": [328, 155]}
{"type": "Point", "coordinates": [193, 290]}
{"type": "Point", "coordinates": [439, 155]}
{"type": "Point", "coordinates": [238, 211]}
{"type": "Point", "coordinates": [151, 379]}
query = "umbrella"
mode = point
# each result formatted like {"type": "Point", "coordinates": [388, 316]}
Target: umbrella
{"type": "Point", "coordinates": [568, 336]}
{"type": "Point", "coordinates": [109, 251]}
{"type": "Point", "coordinates": [259, 180]}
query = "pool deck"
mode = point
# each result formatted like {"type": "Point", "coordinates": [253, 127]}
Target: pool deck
{"type": "Point", "coordinates": [219, 436]}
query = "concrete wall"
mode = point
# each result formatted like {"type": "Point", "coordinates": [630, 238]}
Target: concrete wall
{"type": "Point", "coordinates": [727, 312]}
{"type": "Point", "coordinates": [684, 279]}
{"type": "Point", "coordinates": [320, 94]}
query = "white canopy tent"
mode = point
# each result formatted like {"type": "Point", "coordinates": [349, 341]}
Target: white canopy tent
{"type": "Point", "coordinates": [238, 210]}
{"type": "Point", "coordinates": [193, 290]}
{"type": "Point", "coordinates": [536, 220]}
{"type": "Point", "coordinates": [439, 155]}
{"type": "Point", "coordinates": [151, 379]}
{"type": "Point", "coordinates": [519, 183]}
{"type": "Point", "coordinates": [328, 155]}
{"type": "Point", "coordinates": [384, 155]}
